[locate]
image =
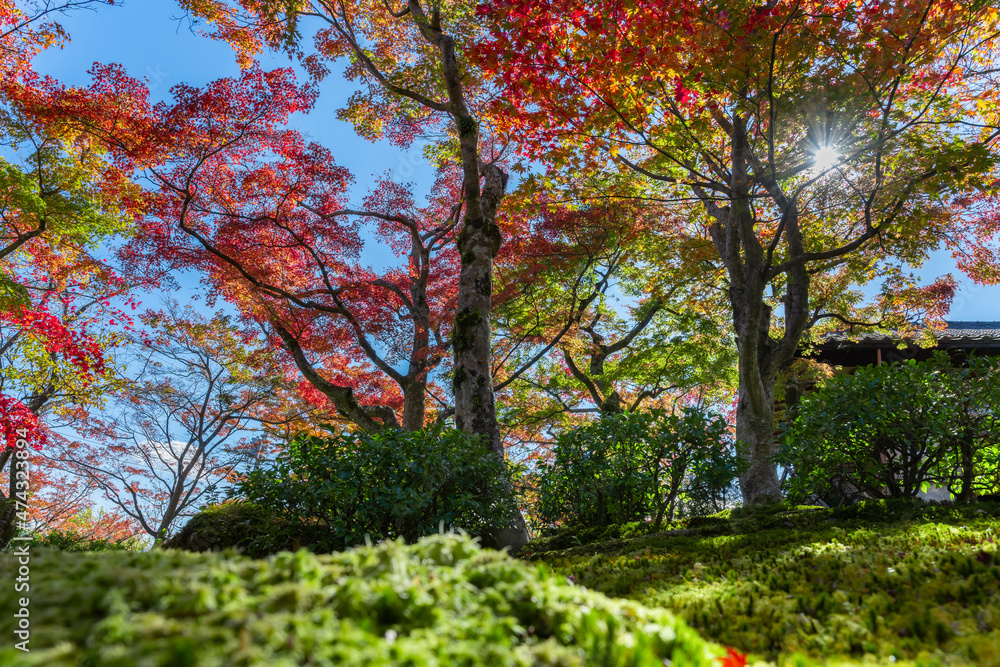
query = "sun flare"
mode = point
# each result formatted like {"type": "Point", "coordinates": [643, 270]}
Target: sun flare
{"type": "Point", "coordinates": [825, 158]}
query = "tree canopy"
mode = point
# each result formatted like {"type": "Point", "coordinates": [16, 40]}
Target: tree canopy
{"type": "Point", "coordinates": [635, 206]}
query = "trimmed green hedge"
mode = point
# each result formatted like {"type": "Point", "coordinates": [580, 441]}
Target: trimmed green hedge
{"type": "Point", "coordinates": [232, 525]}
{"type": "Point", "coordinates": [331, 492]}
{"type": "Point", "coordinates": [442, 601]}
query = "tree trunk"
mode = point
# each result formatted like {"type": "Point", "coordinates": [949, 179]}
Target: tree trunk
{"type": "Point", "coordinates": [414, 384]}
{"type": "Point", "coordinates": [968, 466]}
{"type": "Point", "coordinates": [755, 429]}
{"type": "Point", "coordinates": [757, 377]}
{"type": "Point", "coordinates": [475, 404]}
{"type": "Point", "coordinates": [8, 521]}
{"type": "Point", "coordinates": [414, 409]}
{"type": "Point", "coordinates": [170, 513]}
{"type": "Point", "coordinates": [755, 408]}
{"type": "Point", "coordinates": [750, 270]}
{"type": "Point", "coordinates": [8, 507]}
{"type": "Point", "coordinates": [478, 243]}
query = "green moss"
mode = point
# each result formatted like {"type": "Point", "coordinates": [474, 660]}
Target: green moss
{"type": "Point", "coordinates": [495, 236]}
{"type": "Point", "coordinates": [224, 526]}
{"type": "Point", "coordinates": [459, 378]}
{"type": "Point", "coordinates": [466, 126]}
{"type": "Point", "coordinates": [465, 323]}
{"type": "Point", "coordinates": [442, 601]}
{"type": "Point", "coordinates": [860, 585]}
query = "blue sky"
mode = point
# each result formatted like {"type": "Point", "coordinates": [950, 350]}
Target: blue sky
{"type": "Point", "coordinates": [151, 39]}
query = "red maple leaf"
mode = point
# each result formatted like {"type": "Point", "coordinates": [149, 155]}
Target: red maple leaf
{"type": "Point", "coordinates": [733, 658]}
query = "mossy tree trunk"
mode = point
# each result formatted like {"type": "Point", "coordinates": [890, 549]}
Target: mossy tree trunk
{"type": "Point", "coordinates": [750, 270]}
{"type": "Point", "coordinates": [484, 185]}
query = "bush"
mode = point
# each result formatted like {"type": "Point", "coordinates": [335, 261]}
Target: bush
{"type": "Point", "coordinates": [231, 525]}
{"type": "Point", "coordinates": [889, 431]}
{"type": "Point", "coordinates": [332, 492]}
{"type": "Point", "coordinates": [635, 466]}
{"type": "Point", "coordinates": [90, 529]}
{"type": "Point", "coordinates": [441, 601]}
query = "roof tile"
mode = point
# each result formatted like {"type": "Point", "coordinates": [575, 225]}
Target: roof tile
{"type": "Point", "coordinates": [956, 331]}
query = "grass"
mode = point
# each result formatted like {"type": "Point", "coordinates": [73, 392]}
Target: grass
{"type": "Point", "coordinates": [878, 583]}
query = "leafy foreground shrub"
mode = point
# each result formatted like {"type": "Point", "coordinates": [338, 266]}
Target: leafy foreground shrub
{"type": "Point", "coordinates": [889, 431]}
{"type": "Point", "coordinates": [880, 582]}
{"type": "Point", "coordinates": [441, 601]}
{"type": "Point", "coordinates": [329, 493]}
{"type": "Point", "coordinates": [630, 466]}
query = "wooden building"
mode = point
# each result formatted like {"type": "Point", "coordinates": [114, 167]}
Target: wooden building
{"type": "Point", "coordinates": [959, 340]}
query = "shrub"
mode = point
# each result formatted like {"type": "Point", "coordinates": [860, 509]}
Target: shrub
{"type": "Point", "coordinates": [441, 601]}
{"type": "Point", "coordinates": [635, 466]}
{"type": "Point", "coordinates": [231, 525]}
{"type": "Point", "coordinates": [889, 431]}
{"type": "Point", "coordinates": [90, 529]}
{"type": "Point", "coordinates": [332, 492]}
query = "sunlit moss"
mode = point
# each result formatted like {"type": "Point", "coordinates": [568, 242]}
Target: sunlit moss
{"type": "Point", "coordinates": [886, 583]}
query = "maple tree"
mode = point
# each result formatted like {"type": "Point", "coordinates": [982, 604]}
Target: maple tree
{"type": "Point", "coordinates": [586, 328]}
{"type": "Point", "coordinates": [56, 365]}
{"type": "Point", "coordinates": [56, 204]}
{"type": "Point", "coordinates": [412, 62]}
{"type": "Point", "coordinates": [265, 215]}
{"type": "Point", "coordinates": [34, 204]}
{"type": "Point", "coordinates": [53, 348]}
{"type": "Point", "coordinates": [825, 144]}
{"type": "Point", "coordinates": [397, 319]}
{"type": "Point", "coordinates": [55, 207]}
{"type": "Point", "coordinates": [63, 502]}
{"type": "Point", "coordinates": [613, 336]}
{"type": "Point", "coordinates": [367, 340]}
{"type": "Point", "coordinates": [196, 416]}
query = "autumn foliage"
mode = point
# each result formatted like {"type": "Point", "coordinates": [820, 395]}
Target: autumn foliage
{"type": "Point", "coordinates": [635, 205]}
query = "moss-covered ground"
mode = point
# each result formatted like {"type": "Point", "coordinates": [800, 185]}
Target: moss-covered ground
{"type": "Point", "coordinates": [879, 583]}
{"type": "Point", "coordinates": [876, 584]}
{"type": "Point", "coordinates": [440, 602]}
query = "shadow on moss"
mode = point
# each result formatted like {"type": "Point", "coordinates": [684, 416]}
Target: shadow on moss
{"type": "Point", "coordinates": [874, 583]}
